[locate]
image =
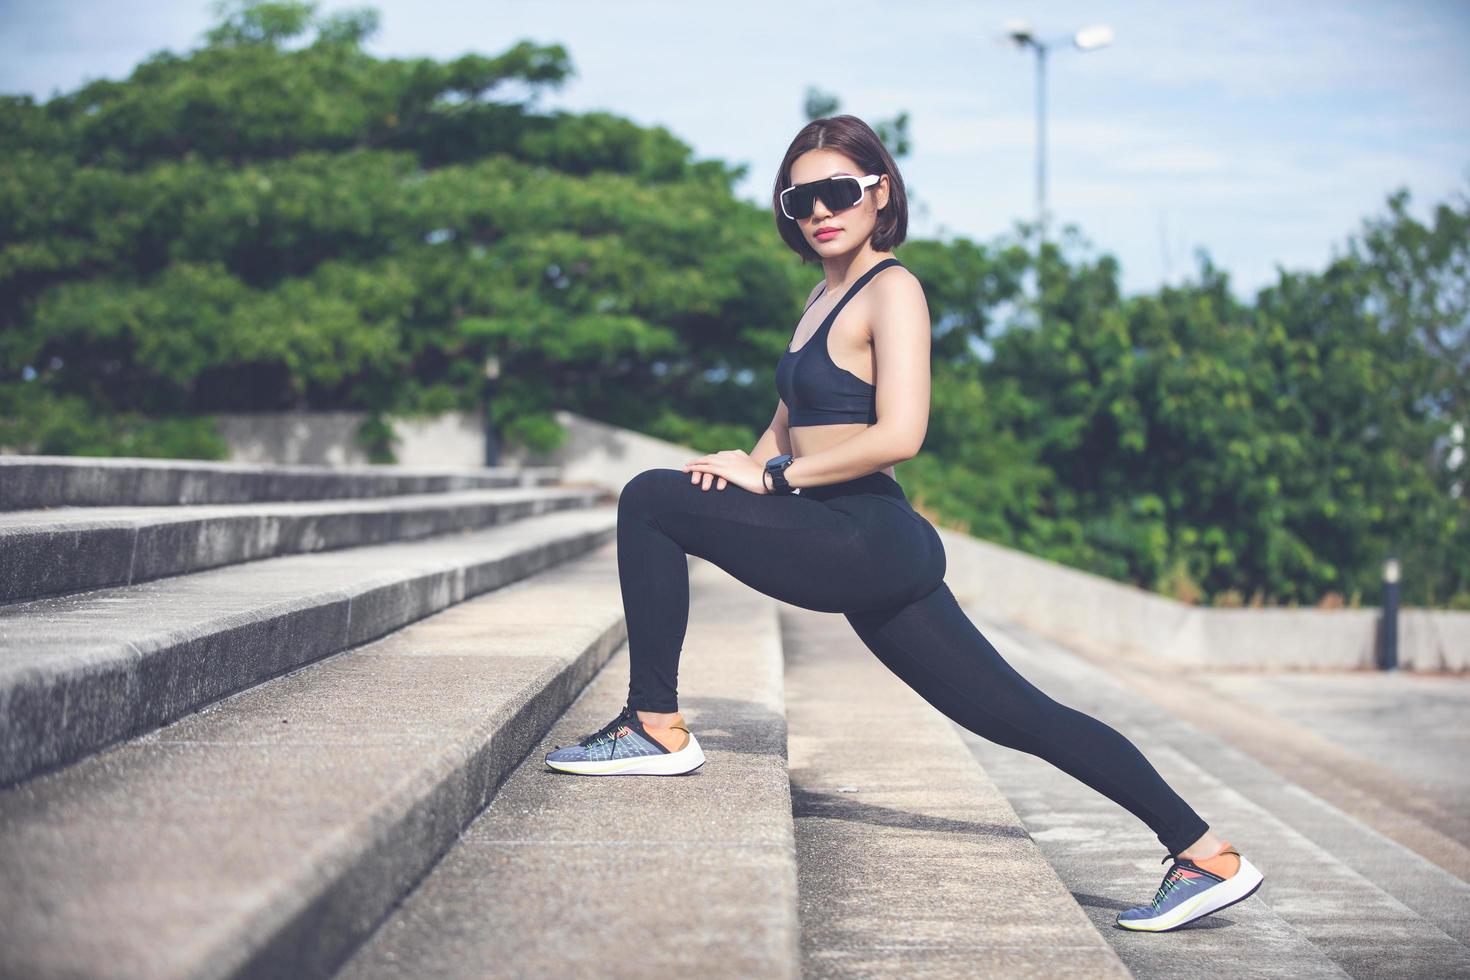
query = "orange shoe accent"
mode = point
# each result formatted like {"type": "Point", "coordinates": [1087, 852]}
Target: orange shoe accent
{"type": "Point", "coordinates": [657, 734]}
{"type": "Point", "coordinates": [1224, 864]}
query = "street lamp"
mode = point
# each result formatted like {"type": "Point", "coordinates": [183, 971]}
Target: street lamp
{"type": "Point", "coordinates": [1087, 39]}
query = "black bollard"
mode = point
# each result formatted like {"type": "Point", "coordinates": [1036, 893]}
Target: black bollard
{"type": "Point", "coordinates": [492, 444]}
{"type": "Point", "coordinates": [1388, 624]}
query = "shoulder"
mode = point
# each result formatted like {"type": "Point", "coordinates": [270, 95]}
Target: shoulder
{"type": "Point", "coordinates": [897, 292]}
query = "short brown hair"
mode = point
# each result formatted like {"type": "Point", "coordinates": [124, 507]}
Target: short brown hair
{"type": "Point", "coordinates": [852, 136]}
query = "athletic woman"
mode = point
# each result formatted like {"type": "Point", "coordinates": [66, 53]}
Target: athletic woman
{"type": "Point", "coordinates": [814, 516]}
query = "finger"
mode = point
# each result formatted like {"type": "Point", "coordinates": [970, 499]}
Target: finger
{"type": "Point", "coordinates": [723, 483]}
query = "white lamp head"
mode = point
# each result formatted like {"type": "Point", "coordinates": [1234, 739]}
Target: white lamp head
{"type": "Point", "coordinates": [1096, 36]}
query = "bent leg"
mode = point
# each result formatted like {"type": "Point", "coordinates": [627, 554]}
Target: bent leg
{"type": "Point", "coordinates": [835, 556]}
{"type": "Point", "coordinates": [938, 651]}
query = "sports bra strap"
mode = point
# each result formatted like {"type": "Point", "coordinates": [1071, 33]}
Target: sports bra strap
{"type": "Point", "coordinates": [862, 281]}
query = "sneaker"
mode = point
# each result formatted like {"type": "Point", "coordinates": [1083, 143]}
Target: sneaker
{"type": "Point", "coordinates": [1190, 892]}
{"type": "Point", "coordinates": [623, 747]}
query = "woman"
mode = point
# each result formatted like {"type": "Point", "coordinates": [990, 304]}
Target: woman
{"type": "Point", "coordinates": [854, 388]}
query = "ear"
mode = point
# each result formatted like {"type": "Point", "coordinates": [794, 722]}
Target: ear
{"type": "Point", "coordinates": [880, 198]}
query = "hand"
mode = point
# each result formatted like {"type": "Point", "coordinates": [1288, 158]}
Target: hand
{"type": "Point", "coordinates": [729, 466]}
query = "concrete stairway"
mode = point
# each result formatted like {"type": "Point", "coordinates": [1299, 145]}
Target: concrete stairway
{"type": "Point", "coordinates": [1339, 897]}
{"type": "Point", "coordinates": [329, 763]}
{"type": "Point", "coordinates": [81, 670]}
{"type": "Point", "coordinates": [351, 711]}
{"type": "Point", "coordinates": [314, 764]}
{"type": "Point", "coordinates": [91, 481]}
{"type": "Point", "coordinates": [124, 529]}
{"type": "Point", "coordinates": [571, 876]}
{"type": "Point", "coordinates": [912, 862]}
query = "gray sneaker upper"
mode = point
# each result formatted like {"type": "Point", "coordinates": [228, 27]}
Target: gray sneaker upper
{"type": "Point", "coordinates": [623, 742]}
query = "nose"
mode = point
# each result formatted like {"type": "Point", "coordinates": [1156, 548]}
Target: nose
{"type": "Point", "coordinates": [820, 211]}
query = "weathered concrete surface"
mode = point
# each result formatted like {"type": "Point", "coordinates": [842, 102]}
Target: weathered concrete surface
{"type": "Point", "coordinates": [446, 439]}
{"type": "Point", "coordinates": [1077, 608]}
{"type": "Point", "coordinates": [1416, 725]}
{"type": "Point", "coordinates": [1344, 801]}
{"type": "Point", "coordinates": [597, 453]}
{"type": "Point", "coordinates": [265, 835]}
{"type": "Point", "coordinates": [45, 552]}
{"type": "Point", "coordinates": [110, 481]}
{"type": "Point", "coordinates": [79, 672]}
{"type": "Point", "coordinates": [911, 861]}
{"type": "Point", "coordinates": [1315, 914]}
{"type": "Point", "coordinates": [629, 876]}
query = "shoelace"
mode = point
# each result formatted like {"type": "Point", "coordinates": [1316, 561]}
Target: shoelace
{"type": "Point", "coordinates": [606, 732]}
{"type": "Point", "coordinates": [1172, 878]}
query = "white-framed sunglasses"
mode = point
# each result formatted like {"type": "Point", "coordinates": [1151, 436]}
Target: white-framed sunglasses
{"type": "Point", "coordinates": [838, 192]}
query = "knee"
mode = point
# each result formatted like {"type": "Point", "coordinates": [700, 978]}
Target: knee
{"type": "Point", "coordinates": [646, 491]}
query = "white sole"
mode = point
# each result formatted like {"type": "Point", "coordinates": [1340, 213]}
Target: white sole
{"type": "Point", "coordinates": [1236, 888]}
{"type": "Point", "coordinates": [687, 759]}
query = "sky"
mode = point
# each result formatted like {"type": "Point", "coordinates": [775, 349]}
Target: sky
{"type": "Point", "coordinates": [1262, 132]}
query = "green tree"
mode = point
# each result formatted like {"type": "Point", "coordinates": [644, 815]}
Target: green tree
{"type": "Point", "coordinates": [1281, 450]}
{"type": "Point", "coordinates": [279, 220]}
{"type": "Point", "coordinates": [260, 226]}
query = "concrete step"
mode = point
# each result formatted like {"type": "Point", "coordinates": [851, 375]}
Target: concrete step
{"type": "Point", "coordinates": [912, 863]}
{"type": "Point", "coordinates": [105, 481]}
{"type": "Point", "coordinates": [1383, 764]}
{"type": "Point", "coordinates": [629, 876]}
{"type": "Point", "coordinates": [1314, 915]}
{"type": "Point", "coordinates": [265, 835]}
{"type": "Point", "coordinates": [79, 672]}
{"type": "Point", "coordinates": [48, 552]}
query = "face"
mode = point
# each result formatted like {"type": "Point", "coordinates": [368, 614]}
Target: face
{"type": "Point", "coordinates": [855, 224]}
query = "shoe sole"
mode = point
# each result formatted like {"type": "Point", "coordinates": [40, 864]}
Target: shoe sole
{"type": "Point", "coordinates": [1237, 888]}
{"type": "Point", "coordinates": [679, 763]}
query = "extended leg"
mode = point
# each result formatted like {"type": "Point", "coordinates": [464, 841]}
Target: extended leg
{"type": "Point", "coordinates": [936, 649]}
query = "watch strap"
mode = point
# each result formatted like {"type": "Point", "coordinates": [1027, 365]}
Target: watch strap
{"type": "Point", "coordinates": [777, 470]}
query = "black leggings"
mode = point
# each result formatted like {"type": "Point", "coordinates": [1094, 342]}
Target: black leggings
{"type": "Point", "coordinates": [860, 549]}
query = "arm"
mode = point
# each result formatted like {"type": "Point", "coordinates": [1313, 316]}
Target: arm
{"type": "Point", "coordinates": [901, 349]}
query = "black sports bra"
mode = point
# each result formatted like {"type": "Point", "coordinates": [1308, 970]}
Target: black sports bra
{"type": "Point", "coordinates": [818, 392]}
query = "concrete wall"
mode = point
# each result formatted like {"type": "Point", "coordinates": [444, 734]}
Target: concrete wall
{"type": "Point", "coordinates": [330, 439]}
{"type": "Point", "coordinates": [1080, 608]}
{"type": "Point", "coordinates": [600, 454]}
{"type": "Point", "coordinates": [1088, 610]}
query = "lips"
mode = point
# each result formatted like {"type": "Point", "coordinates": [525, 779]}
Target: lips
{"type": "Point", "coordinates": [825, 233]}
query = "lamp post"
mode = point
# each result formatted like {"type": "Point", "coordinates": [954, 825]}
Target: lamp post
{"type": "Point", "coordinates": [1022, 35]}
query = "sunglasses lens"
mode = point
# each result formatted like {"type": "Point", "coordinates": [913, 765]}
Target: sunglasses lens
{"type": "Point", "coordinates": [838, 193]}
{"type": "Point", "coordinates": [798, 201]}
{"type": "Point", "coordinates": [842, 193]}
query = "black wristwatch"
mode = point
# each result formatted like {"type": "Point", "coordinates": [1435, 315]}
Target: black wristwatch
{"type": "Point", "coordinates": [776, 466]}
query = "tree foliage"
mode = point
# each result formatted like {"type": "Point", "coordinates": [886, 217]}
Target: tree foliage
{"type": "Point", "coordinates": [280, 220]}
{"type": "Point", "coordinates": [1277, 452]}
{"type": "Point", "coordinates": [258, 226]}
